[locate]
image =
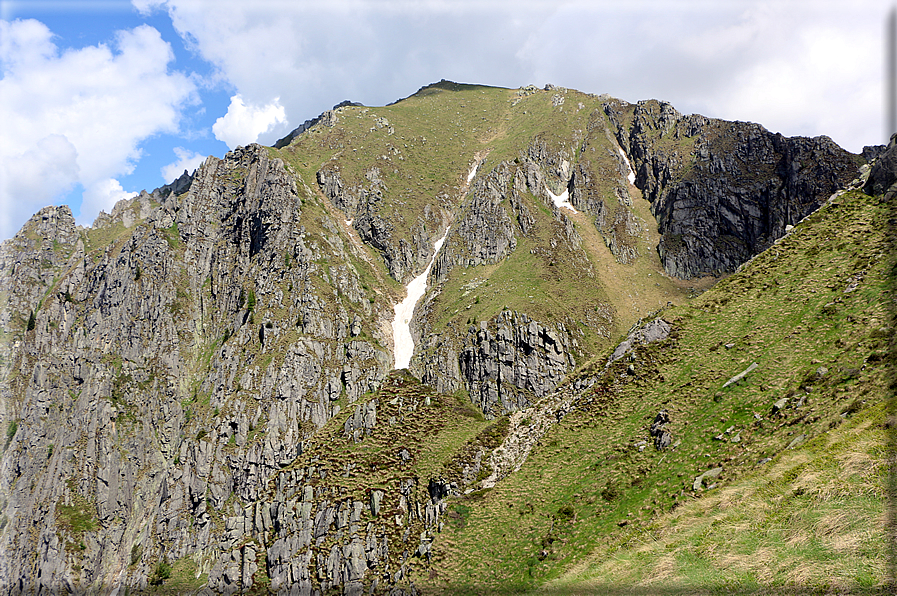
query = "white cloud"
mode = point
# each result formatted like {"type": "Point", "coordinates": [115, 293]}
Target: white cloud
{"type": "Point", "coordinates": [33, 178]}
{"type": "Point", "coordinates": [243, 124]}
{"type": "Point", "coordinates": [815, 88]}
{"type": "Point", "coordinates": [722, 59]}
{"type": "Point", "coordinates": [187, 160]}
{"type": "Point", "coordinates": [795, 67]}
{"type": "Point", "coordinates": [78, 116]}
{"type": "Point", "coordinates": [102, 195]}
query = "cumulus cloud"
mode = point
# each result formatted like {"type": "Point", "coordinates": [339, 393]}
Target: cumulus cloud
{"type": "Point", "coordinates": [79, 114]}
{"type": "Point", "coordinates": [187, 160]}
{"type": "Point", "coordinates": [102, 195]}
{"type": "Point", "coordinates": [33, 178]}
{"type": "Point", "coordinates": [243, 124]}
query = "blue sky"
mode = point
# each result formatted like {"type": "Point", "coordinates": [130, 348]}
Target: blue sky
{"type": "Point", "coordinates": [103, 98]}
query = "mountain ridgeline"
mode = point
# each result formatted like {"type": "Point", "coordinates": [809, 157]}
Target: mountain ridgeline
{"type": "Point", "coordinates": [199, 391]}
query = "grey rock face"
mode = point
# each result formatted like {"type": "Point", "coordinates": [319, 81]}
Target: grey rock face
{"type": "Point", "coordinates": [706, 479]}
{"type": "Point", "coordinates": [723, 191]}
{"type": "Point", "coordinates": [655, 330]}
{"type": "Point", "coordinates": [503, 364]}
{"type": "Point", "coordinates": [519, 359]}
{"type": "Point", "coordinates": [362, 422]}
{"type": "Point", "coordinates": [616, 222]}
{"type": "Point", "coordinates": [363, 205]}
{"type": "Point", "coordinates": [663, 438]}
{"type": "Point", "coordinates": [884, 171]}
{"type": "Point", "coordinates": [181, 352]}
{"type": "Point", "coordinates": [486, 233]}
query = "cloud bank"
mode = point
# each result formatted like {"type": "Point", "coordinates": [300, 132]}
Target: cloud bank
{"type": "Point", "coordinates": [243, 124]}
{"type": "Point", "coordinates": [796, 67]}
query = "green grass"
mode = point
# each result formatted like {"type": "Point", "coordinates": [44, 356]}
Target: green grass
{"type": "Point", "coordinates": [100, 238]}
{"type": "Point", "coordinates": [12, 428]}
{"type": "Point", "coordinates": [818, 529]}
{"type": "Point", "coordinates": [179, 577]}
{"type": "Point", "coordinates": [76, 518]}
{"type": "Point", "coordinates": [79, 517]}
{"type": "Point", "coordinates": [172, 236]}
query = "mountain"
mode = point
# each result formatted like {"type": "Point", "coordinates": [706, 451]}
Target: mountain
{"type": "Point", "coordinates": [200, 390]}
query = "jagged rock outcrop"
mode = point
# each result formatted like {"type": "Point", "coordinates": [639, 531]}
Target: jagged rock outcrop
{"type": "Point", "coordinates": [884, 171]}
{"type": "Point", "coordinates": [485, 232]}
{"type": "Point", "coordinates": [655, 330]}
{"type": "Point", "coordinates": [405, 258]}
{"type": "Point", "coordinates": [521, 358]}
{"type": "Point", "coordinates": [618, 225]}
{"type": "Point", "coordinates": [181, 351]}
{"type": "Point", "coordinates": [502, 363]}
{"type": "Point", "coordinates": [587, 180]}
{"type": "Point", "coordinates": [723, 191]}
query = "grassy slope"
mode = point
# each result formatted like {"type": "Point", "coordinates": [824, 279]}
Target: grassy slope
{"type": "Point", "coordinates": [810, 518]}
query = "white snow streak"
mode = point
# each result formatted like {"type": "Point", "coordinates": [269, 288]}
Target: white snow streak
{"type": "Point", "coordinates": [401, 328]}
{"type": "Point", "coordinates": [473, 172]}
{"type": "Point", "coordinates": [631, 174]}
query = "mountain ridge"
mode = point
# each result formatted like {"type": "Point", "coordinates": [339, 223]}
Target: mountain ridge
{"type": "Point", "coordinates": [209, 367]}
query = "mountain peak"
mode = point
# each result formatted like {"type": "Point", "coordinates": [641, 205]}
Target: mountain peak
{"type": "Point", "coordinates": [200, 388]}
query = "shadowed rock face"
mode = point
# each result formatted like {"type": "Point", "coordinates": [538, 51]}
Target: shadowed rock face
{"type": "Point", "coordinates": [884, 172]}
{"type": "Point", "coordinates": [723, 191]}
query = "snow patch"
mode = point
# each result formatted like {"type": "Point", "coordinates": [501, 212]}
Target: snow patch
{"type": "Point", "coordinates": [473, 171]}
{"type": "Point", "coordinates": [561, 200]}
{"type": "Point", "coordinates": [401, 324]}
{"type": "Point", "coordinates": [631, 174]}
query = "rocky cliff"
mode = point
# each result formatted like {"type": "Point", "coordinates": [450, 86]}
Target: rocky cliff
{"type": "Point", "coordinates": [179, 353]}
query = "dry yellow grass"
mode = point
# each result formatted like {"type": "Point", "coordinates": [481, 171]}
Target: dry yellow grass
{"type": "Point", "coordinates": [765, 536]}
{"type": "Point", "coordinates": [664, 572]}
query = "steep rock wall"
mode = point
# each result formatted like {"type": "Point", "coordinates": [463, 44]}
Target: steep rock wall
{"type": "Point", "coordinates": [723, 191]}
{"type": "Point", "coordinates": [181, 351]}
